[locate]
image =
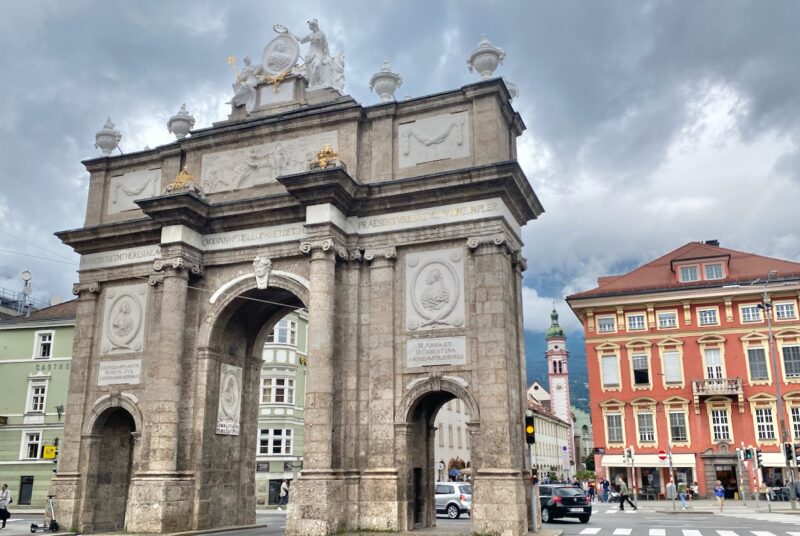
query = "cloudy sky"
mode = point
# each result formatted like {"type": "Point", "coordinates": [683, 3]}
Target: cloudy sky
{"type": "Point", "coordinates": [649, 124]}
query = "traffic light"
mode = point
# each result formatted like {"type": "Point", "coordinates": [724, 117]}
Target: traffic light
{"type": "Point", "coordinates": [530, 430]}
{"type": "Point", "coordinates": [629, 454]}
{"type": "Point", "coordinates": [747, 453]}
{"type": "Point", "coordinates": [788, 450]}
{"type": "Point", "coordinates": [759, 459]}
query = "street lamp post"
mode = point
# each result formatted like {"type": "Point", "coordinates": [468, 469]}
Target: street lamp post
{"type": "Point", "coordinates": [782, 430]}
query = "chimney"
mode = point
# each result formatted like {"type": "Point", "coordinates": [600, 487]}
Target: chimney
{"type": "Point", "coordinates": [714, 242]}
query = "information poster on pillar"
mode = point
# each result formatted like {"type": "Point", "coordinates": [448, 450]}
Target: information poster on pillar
{"type": "Point", "coordinates": [438, 351]}
{"type": "Point", "coordinates": [230, 400]}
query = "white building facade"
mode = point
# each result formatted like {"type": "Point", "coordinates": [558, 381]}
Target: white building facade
{"type": "Point", "coordinates": [452, 441]}
{"type": "Point", "coordinates": [279, 450]}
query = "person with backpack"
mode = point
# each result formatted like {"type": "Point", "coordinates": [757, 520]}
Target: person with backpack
{"type": "Point", "coordinates": [5, 500]}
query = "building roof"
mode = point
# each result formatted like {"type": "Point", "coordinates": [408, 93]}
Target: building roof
{"type": "Point", "coordinates": [659, 275]}
{"type": "Point", "coordinates": [62, 311]}
{"type": "Point", "coordinates": [538, 392]}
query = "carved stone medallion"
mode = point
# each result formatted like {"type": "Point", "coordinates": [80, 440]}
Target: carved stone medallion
{"type": "Point", "coordinates": [123, 319]}
{"type": "Point", "coordinates": [280, 55]}
{"type": "Point", "coordinates": [435, 290]}
{"type": "Point", "coordinates": [230, 400]}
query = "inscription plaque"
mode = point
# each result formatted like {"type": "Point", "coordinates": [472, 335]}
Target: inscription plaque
{"type": "Point", "coordinates": [230, 400]}
{"type": "Point", "coordinates": [119, 372]}
{"type": "Point", "coordinates": [439, 351]}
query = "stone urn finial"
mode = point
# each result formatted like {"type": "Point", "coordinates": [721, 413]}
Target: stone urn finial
{"type": "Point", "coordinates": [107, 138]}
{"type": "Point", "coordinates": [485, 58]}
{"type": "Point", "coordinates": [385, 82]}
{"type": "Point", "coordinates": [181, 123]}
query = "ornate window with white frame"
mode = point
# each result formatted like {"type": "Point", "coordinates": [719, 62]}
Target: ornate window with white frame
{"type": "Point", "coordinates": [750, 313]}
{"type": "Point", "coordinates": [285, 332]}
{"type": "Point", "coordinates": [277, 390]}
{"type": "Point", "coordinates": [719, 417]}
{"type": "Point", "coordinates": [43, 346]}
{"type": "Point", "coordinates": [31, 445]}
{"type": "Point", "coordinates": [37, 396]}
{"type": "Point", "coordinates": [667, 319]}
{"type": "Point", "coordinates": [614, 422]}
{"type": "Point", "coordinates": [275, 441]}
{"type": "Point", "coordinates": [708, 316]}
{"type": "Point", "coordinates": [606, 324]}
{"type": "Point", "coordinates": [785, 310]}
{"type": "Point", "coordinates": [765, 424]}
{"type": "Point", "coordinates": [636, 322]}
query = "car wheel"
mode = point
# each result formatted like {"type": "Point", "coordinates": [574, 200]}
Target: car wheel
{"type": "Point", "coordinates": [453, 511]}
{"type": "Point", "coordinates": [584, 519]}
{"type": "Point", "coordinates": [546, 515]}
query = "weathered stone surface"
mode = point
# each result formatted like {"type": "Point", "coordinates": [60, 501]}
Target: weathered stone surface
{"type": "Point", "coordinates": [443, 233]}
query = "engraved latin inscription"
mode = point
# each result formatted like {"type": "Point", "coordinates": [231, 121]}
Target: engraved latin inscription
{"type": "Point", "coordinates": [230, 400]}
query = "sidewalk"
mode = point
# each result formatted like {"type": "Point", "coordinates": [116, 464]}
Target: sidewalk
{"type": "Point", "coordinates": [706, 506]}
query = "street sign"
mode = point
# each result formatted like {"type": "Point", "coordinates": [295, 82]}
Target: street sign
{"type": "Point", "coordinates": [440, 466]}
{"type": "Point", "coordinates": [599, 450]}
{"type": "Point", "coordinates": [49, 452]}
{"type": "Point", "coordinates": [662, 455]}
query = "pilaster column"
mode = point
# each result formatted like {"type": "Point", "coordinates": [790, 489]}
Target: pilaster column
{"type": "Point", "coordinates": [318, 448]}
{"type": "Point", "coordinates": [85, 321]}
{"type": "Point", "coordinates": [381, 357]}
{"type": "Point", "coordinates": [166, 383]}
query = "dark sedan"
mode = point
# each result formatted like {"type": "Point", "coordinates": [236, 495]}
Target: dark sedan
{"type": "Point", "coordinates": [564, 501]}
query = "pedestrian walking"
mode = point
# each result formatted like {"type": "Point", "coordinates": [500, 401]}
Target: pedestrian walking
{"type": "Point", "coordinates": [719, 493]}
{"type": "Point", "coordinates": [797, 489]}
{"type": "Point", "coordinates": [606, 484]}
{"type": "Point", "coordinates": [682, 495]}
{"type": "Point", "coordinates": [5, 500]}
{"type": "Point", "coordinates": [283, 495]}
{"type": "Point", "coordinates": [624, 494]}
{"type": "Point", "coordinates": [592, 491]}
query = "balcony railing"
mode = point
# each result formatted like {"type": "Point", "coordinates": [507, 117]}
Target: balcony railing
{"type": "Point", "coordinates": [718, 387]}
{"type": "Point", "coordinates": [721, 386]}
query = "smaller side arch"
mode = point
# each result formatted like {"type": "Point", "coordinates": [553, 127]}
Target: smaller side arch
{"type": "Point", "coordinates": [432, 385]}
{"type": "Point", "coordinates": [126, 401]}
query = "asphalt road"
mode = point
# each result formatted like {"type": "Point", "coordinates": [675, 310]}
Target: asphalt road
{"type": "Point", "coordinates": [609, 521]}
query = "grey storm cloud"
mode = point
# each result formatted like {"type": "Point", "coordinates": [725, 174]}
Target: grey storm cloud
{"type": "Point", "coordinates": [609, 92]}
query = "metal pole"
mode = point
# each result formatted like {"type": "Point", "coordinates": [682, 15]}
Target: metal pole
{"type": "Point", "coordinates": [740, 468]}
{"type": "Point", "coordinates": [633, 480]}
{"type": "Point", "coordinates": [672, 476]}
{"type": "Point", "coordinates": [781, 422]}
{"type": "Point", "coordinates": [534, 520]}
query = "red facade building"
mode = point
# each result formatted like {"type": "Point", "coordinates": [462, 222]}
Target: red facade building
{"type": "Point", "coordinates": [679, 358]}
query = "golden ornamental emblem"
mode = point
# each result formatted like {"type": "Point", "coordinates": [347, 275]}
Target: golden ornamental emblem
{"type": "Point", "coordinates": [326, 158]}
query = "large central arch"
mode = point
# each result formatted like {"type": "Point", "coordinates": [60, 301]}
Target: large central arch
{"type": "Point", "coordinates": [408, 261]}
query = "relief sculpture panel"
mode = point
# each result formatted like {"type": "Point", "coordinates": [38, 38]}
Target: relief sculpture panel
{"type": "Point", "coordinates": [435, 290]}
{"type": "Point", "coordinates": [436, 138]}
{"type": "Point", "coordinates": [230, 400]}
{"type": "Point", "coordinates": [124, 189]}
{"type": "Point", "coordinates": [123, 319]}
{"type": "Point", "coordinates": [246, 167]}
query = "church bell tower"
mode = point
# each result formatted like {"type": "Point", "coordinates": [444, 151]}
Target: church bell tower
{"type": "Point", "coordinates": [558, 375]}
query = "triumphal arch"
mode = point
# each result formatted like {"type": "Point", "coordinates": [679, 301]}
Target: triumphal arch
{"type": "Point", "coordinates": [396, 225]}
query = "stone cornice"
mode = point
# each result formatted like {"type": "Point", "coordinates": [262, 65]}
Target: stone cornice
{"type": "Point", "coordinates": [185, 208]}
{"type": "Point", "coordinates": [333, 185]}
{"type": "Point", "coordinates": [131, 233]}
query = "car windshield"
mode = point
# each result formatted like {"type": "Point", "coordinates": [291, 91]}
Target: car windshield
{"type": "Point", "coordinates": [569, 492]}
{"type": "Point", "coordinates": [466, 489]}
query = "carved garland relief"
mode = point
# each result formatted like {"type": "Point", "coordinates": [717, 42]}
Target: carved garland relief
{"type": "Point", "coordinates": [123, 319]}
{"type": "Point", "coordinates": [436, 138]}
{"type": "Point", "coordinates": [246, 167]}
{"type": "Point", "coordinates": [435, 290]}
{"type": "Point", "coordinates": [124, 189]}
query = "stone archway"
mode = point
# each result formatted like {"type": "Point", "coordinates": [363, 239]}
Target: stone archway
{"type": "Point", "coordinates": [408, 260]}
{"type": "Point", "coordinates": [111, 452]}
{"type": "Point", "coordinates": [414, 436]}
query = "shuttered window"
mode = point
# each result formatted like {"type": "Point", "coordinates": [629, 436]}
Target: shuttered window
{"type": "Point", "coordinates": [610, 370]}
{"type": "Point", "coordinates": [672, 367]}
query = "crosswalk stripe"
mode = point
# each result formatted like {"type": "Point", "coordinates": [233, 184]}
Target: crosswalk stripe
{"type": "Point", "coordinates": [657, 532]}
{"type": "Point", "coordinates": [761, 533]}
{"type": "Point", "coordinates": [688, 532]}
{"type": "Point", "coordinates": [612, 511]}
{"type": "Point", "coordinates": [622, 532]}
{"type": "Point", "coordinates": [793, 533]}
{"type": "Point", "coordinates": [726, 533]}
{"type": "Point", "coordinates": [593, 530]}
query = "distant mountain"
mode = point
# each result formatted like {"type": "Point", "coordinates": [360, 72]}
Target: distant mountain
{"type": "Point", "coordinates": [535, 347]}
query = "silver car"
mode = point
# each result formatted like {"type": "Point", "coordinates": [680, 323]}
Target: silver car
{"type": "Point", "coordinates": [453, 498]}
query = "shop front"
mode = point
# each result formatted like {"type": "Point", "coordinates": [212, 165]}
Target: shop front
{"type": "Point", "coordinates": [649, 475]}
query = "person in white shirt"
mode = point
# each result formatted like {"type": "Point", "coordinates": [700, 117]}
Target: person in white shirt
{"type": "Point", "coordinates": [284, 494]}
{"type": "Point", "coordinates": [5, 500]}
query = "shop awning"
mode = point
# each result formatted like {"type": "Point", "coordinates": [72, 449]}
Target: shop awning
{"type": "Point", "coordinates": [772, 459]}
{"type": "Point", "coordinates": [648, 460]}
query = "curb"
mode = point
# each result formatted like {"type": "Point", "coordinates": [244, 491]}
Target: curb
{"type": "Point", "coordinates": [682, 512]}
{"type": "Point", "coordinates": [187, 532]}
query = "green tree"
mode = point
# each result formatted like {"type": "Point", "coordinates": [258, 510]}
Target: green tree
{"type": "Point", "coordinates": [589, 461]}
